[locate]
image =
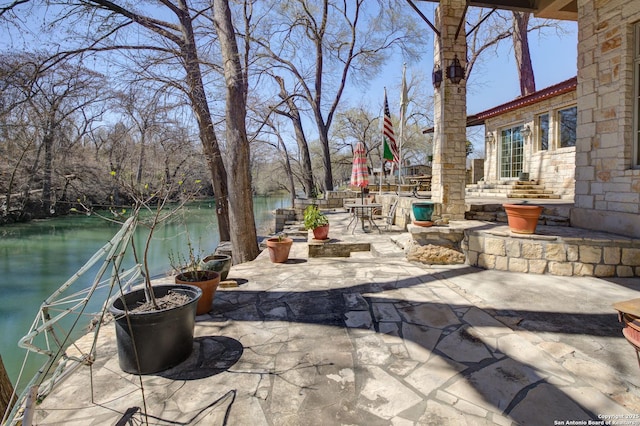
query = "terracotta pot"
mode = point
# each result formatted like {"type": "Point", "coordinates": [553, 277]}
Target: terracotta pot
{"type": "Point", "coordinates": [321, 232]}
{"type": "Point", "coordinates": [522, 218]}
{"type": "Point", "coordinates": [279, 249]}
{"type": "Point", "coordinates": [207, 281]}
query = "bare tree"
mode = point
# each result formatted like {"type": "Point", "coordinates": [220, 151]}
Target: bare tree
{"type": "Point", "coordinates": [177, 40]}
{"type": "Point", "coordinates": [243, 228]}
{"type": "Point", "coordinates": [340, 42]}
{"type": "Point", "coordinates": [490, 31]}
{"type": "Point", "coordinates": [293, 114]}
{"type": "Point", "coordinates": [522, 53]}
{"type": "Point", "coordinates": [54, 100]}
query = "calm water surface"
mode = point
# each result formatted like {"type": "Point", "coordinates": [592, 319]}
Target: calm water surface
{"type": "Point", "coordinates": [38, 257]}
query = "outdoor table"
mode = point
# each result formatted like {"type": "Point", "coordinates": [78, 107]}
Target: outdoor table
{"type": "Point", "coordinates": [420, 181]}
{"type": "Point", "coordinates": [629, 315]}
{"type": "Point", "coordinates": [360, 210]}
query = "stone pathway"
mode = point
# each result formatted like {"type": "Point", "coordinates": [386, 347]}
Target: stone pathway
{"type": "Point", "coordinates": [368, 340]}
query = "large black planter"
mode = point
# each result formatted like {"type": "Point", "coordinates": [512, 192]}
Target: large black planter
{"type": "Point", "coordinates": [162, 338]}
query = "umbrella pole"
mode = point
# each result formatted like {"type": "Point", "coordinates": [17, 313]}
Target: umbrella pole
{"type": "Point", "coordinates": [362, 211]}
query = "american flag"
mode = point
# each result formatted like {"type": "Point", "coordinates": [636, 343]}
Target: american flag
{"type": "Point", "coordinates": [390, 147]}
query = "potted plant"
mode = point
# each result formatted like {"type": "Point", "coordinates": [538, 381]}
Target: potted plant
{"type": "Point", "coordinates": [190, 272]}
{"type": "Point", "coordinates": [279, 248]}
{"type": "Point", "coordinates": [422, 212]}
{"type": "Point", "coordinates": [315, 220]}
{"type": "Point", "coordinates": [217, 262]}
{"type": "Point", "coordinates": [522, 218]}
{"type": "Point", "coordinates": [154, 324]}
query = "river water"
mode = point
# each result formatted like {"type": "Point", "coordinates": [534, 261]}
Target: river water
{"type": "Point", "coordinates": [38, 257]}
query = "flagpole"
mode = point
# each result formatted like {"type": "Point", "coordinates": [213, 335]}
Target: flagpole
{"type": "Point", "coordinates": [381, 174]}
{"type": "Point", "coordinates": [389, 139]}
{"type": "Point", "coordinates": [403, 108]}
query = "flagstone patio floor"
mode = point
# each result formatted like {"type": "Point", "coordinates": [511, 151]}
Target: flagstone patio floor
{"type": "Point", "coordinates": [373, 339]}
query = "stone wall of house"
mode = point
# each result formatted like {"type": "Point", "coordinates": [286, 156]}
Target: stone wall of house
{"type": "Point", "coordinates": [555, 167]}
{"type": "Point", "coordinates": [607, 187]}
{"type": "Point", "coordinates": [476, 174]}
{"type": "Point", "coordinates": [555, 170]}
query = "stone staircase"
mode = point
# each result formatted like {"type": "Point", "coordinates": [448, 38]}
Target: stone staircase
{"type": "Point", "coordinates": [514, 189]}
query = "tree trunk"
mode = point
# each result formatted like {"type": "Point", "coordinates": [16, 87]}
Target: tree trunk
{"type": "Point", "coordinates": [243, 229]}
{"type": "Point", "coordinates": [323, 126]}
{"type": "Point", "coordinates": [141, 156]}
{"type": "Point", "coordinates": [303, 146]}
{"type": "Point", "coordinates": [6, 391]}
{"type": "Point", "coordinates": [288, 171]}
{"type": "Point", "coordinates": [326, 157]}
{"type": "Point", "coordinates": [522, 53]}
{"type": "Point", "coordinates": [47, 177]}
{"type": "Point", "coordinates": [200, 107]}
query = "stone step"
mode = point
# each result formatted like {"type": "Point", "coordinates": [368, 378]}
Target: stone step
{"type": "Point", "coordinates": [386, 249]}
{"type": "Point", "coordinates": [530, 191]}
{"type": "Point", "coordinates": [538, 196]}
{"type": "Point", "coordinates": [527, 187]}
{"type": "Point", "coordinates": [487, 194]}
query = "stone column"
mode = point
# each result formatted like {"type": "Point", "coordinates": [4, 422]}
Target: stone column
{"type": "Point", "coordinates": [450, 115]}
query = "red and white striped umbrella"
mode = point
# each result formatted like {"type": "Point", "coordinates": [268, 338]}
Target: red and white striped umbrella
{"type": "Point", "coordinates": [359, 171]}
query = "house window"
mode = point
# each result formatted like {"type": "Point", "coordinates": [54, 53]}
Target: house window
{"type": "Point", "coordinates": [543, 132]}
{"type": "Point", "coordinates": [511, 152]}
{"type": "Point", "coordinates": [567, 120]}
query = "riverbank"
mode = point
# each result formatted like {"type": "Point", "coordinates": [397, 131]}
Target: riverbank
{"type": "Point", "coordinates": [36, 258]}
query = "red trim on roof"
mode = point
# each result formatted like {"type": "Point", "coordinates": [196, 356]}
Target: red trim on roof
{"type": "Point", "coordinates": [546, 93]}
{"type": "Point", "coordinates": [551, 91]}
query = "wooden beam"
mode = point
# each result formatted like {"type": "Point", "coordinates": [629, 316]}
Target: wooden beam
{"type": "Point", "coordinates": [435, 30]}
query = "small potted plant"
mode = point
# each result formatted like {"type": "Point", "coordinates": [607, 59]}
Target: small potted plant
{"type": "Point", "coordinates": [315, 220]}
{"type": "Point", "coordinates": [217, 262]}
{"type": "Point", "coordinates": [279, 248]}
{"type": "Point", "coordinates": [190, 272]}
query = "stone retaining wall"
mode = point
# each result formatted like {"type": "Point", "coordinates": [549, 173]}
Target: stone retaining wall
{"type": "Point", "coordinates": [283, 217]}
{"type": "Point", "coordinates": [556, 255]}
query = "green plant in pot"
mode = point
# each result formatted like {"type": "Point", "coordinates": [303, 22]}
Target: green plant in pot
{"type": "Point", "coordinates": [218, 262]}
{"type": "Point", "coordinates": [317, 221]}
{"type": "Point", "coordinates": [190, 272]}
{"type": "Point", "coordinates": [154, 324]}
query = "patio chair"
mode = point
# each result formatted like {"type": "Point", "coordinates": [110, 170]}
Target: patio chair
{"type": "Point", "coordinates": [390, 217]}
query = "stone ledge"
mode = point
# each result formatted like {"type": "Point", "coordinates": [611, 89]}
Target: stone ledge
{"type": "Point", "coordinates": [569, 255]}
{"type": "Point", "coordinates": [335, 248]}
{"type": "Point", "coordinates": [562, 251]}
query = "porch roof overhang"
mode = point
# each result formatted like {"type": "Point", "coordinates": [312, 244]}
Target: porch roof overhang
{"type": "Point", "coordinates": [552, 9]}
{"type": "Point", "coordinates": [523, 101]}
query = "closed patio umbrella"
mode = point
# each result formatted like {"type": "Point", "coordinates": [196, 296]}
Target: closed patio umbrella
{"type": "Point", "coordinates": [359, 171]}
{"type": "Point", "coordinates": [360, 174]}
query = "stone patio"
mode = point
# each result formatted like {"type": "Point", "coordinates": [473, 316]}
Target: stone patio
{"type": "Point", "coordinates": [374, 339]}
